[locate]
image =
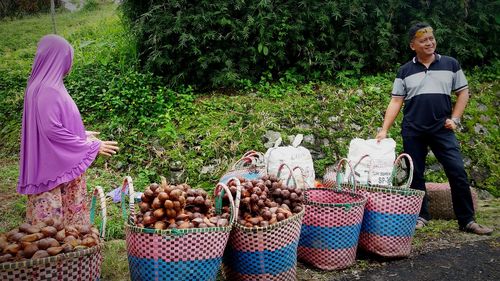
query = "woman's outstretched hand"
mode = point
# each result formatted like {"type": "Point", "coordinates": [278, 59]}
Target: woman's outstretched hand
{"type": "Point", "coordinates": [108, 148]}
{"type": "Point", "coordinates": [92, 135]}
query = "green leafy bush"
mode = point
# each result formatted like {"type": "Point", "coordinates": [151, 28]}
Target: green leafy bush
{"type": "Point", "coordinates": [15, 8]}
{"type": "Point", "coordinates": [221, 43]}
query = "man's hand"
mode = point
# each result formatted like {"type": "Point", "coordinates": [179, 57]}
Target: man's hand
{"type": "Point", "coordinates": [108, 148]}
{"type": "Point", "coordinates": [450, 125]}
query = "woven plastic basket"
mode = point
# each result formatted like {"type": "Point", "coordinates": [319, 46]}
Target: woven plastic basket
{"type": "Point", "coordinates": [264, 253]}
{"type": "Point", "coordinates": [331, 225]}
{"type": "Point", "coordinates": [390, 215]}
{"type": "Point", "coordinates": [78, 265]}
{"type": "Point", "coordinates": [176, 254]}
{"type": "Point", "coordinates": [440, 203]}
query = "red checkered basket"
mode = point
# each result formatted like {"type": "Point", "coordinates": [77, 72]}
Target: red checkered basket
{"type": "Point", "coordinates": [79, 265]}
{"type": "Point", "coordinates": [331, 225]}
{"type": "Point", "coordinates": [176, 254]}
{"type": "Point", "coordinates": [264, 253]}
{"type": "Point", "coordinates": [391, 214]}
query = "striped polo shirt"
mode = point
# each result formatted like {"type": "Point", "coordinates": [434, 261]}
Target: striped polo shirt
{"type": "Point", "coordinates": [427, 93]}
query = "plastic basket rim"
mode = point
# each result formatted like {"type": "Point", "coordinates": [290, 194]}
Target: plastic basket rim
{"type": "Point", "coordinates": [176, 231]}
{"type": "Point", "coordinates": [309, 202]}
{"type": "Point", "coordinates": [295, 217]}
{"type": "Point", "coordinates": [399, 190]}
{"type": "Point", "coordinates": [44, 261]}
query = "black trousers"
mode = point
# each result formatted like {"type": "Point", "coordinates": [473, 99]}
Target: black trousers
{"type": "Point", "coordinates": [445, 147]}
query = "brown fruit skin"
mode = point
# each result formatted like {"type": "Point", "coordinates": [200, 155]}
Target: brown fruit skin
{"type": "Point", "coordinates": [67, 248]}
{"type": "Point", "coordinates": [153, 187]}
{"type": "Point", "coordinates": [6, 257]}
{"type": "Point", "coordinates": [89, 242]}
{"type": "Point", "coordinates": [32, 229]}
{"type": "Point", "coordinates": [40, 254]}
{"type": "Point", "coordinates": [12, 249]}
{"type": "Point", "coordinates": [160, 225]}
{"type": "Point", "coordinates": [144, 207]}
{"type": "Point", "coordinates": [146, 199]}
{"type": "Point", "coordinates": [177, 205]}
{"type": "Point", "coordinates": [159, 213]}
{"type": "Point", "coordinates": [163, 196]}
{"type": "Point", "coordinates": [31, 237]}
{"type": "Point", "coordinates": [70, 230]}
{"type": "Point", "coordinates": [16, 236]}
{"type": "Point", "coordinates": [83, 229]}
{"type": "Point", "coordinates": [46, 243]}
{"type": "Point", "coordinates": [280, 216]}
{"type": "Point", "coordinates": [168, 204]}
{"type": "Point", "coordinates": [49, 222]}
{"type": "Point", "coordinates": [175, 194]}
{"type": "Point", "coordinates": [156, 203]}
{"type": "Point", "coordinates": [199, 200]}
{"type": "Point", "coordinates": [30, 250]}
{"type": "Point", "coordinates": [23, 227]}
{"type": "Point", "coordinates": [49, 231]}
{"type": "Point", "coordinates": [297, 209]}
{"type": "Point", "coordinates": [147, 220]}
{"type": "Point", "coordinates": [149, 193]}
{"type": "Point", "coordinates": [68, 239]}
{"type": "Point", "coordinates": [267, 215]}
{"type": "Point", "coordinates": [54, 250]}
{"type": "Point", "coordinates": [184, 225]}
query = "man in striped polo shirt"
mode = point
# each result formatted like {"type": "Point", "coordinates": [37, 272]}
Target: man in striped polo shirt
{"type": "Point", "coordinates": [424, 86]}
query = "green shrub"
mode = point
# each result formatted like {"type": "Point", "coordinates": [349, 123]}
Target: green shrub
{"type": "Point", "coordinates": [220, 43]}
{"type": "Point", "coordinates": [16, 8]}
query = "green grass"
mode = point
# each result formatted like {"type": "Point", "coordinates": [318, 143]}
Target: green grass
{"type": "Point", "coordinates": [115, 264]}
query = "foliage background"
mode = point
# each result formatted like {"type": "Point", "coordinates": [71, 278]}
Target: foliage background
{"type": "Point", "coordinates": [17, 8]}
{"type": "Point", "coordinates": [219, 43]}
{"type": "Point", "coordinates": [157, 124]}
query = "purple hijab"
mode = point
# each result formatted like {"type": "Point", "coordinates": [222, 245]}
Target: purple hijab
{"type": "Point", "coordinates": [54, 146]}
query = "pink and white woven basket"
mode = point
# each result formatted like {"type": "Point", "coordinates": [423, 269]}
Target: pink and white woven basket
{"type": "Point", "coordinates": [176, 254]}
{"type": "Point", "coordinates": [79, 265]}
{"type": "Point", "coordinates": [331, 225]}
{"type": "Point", "coordinates": [390, 215]}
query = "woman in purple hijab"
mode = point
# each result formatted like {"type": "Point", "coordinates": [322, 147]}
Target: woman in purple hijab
{"type": "Point", "coordinates": [55, 148]}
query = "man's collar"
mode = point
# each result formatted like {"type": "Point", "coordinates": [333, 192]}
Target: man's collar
{"type": "Point", "coordinates": [437, 57]}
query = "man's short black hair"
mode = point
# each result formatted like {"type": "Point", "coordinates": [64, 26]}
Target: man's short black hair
{"type": "Point", "coordinates": [414, 28]}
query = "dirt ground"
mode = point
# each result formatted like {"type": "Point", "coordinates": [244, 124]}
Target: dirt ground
{"type": "Point", "coordinates": [477, 260]}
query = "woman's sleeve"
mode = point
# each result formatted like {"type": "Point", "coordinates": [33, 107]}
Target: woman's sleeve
{"type": "Point", "coordinates": [50, 121]}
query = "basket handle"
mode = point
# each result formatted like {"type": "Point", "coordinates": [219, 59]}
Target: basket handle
{"type": "Point", "coordinates": [410, 173]}
{"type": "Point", "coordinates": [252, 158]}
{"type": "Point", "coordinates": [306, 184]}
{"type": "Point", "coordinates": [290, 175]}
{"type": "Point", "coordinates": [128, 183]}
{"type": "Point", "coordinates": [99, 192]}
{"type": "Point", "coordinates": [369, 177]}
{"type": "Point", "coordinates": [350, 175]}
{"type": "Point", "coordinates": [219, 191]}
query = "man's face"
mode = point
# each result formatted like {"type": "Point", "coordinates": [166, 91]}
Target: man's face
{"type": "Point", "coordinates": [424, 43]}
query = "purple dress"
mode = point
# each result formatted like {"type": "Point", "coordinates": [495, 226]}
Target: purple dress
{"type": "Point", "coordinates": [54, 146]}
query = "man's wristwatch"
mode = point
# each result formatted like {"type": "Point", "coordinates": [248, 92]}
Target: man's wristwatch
{"type": "Point", "coordinates": [456, 120]}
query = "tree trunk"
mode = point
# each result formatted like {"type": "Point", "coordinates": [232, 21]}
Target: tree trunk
{"type": "Point", "coordinates": [53, 15]}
